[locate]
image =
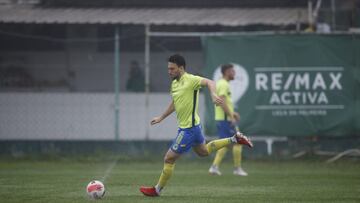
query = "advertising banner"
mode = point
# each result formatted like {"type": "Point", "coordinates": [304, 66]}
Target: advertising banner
{"type": "Point", "coordinates": [290, 85]}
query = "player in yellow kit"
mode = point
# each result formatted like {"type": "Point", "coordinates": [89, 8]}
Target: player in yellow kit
{"type": "Point", "coordinates": [185, 96]}
{"type": "Point", "coordinates": [226, 119]}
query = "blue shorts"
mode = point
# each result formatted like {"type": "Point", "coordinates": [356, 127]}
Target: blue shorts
{"type": "Point", "coordinates": [225, 129]}
{"type": "Point", "coordinates": [187, 138]}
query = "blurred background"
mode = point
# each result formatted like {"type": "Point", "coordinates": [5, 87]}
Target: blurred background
{"type": "Point", "coordinates": [86, 76]}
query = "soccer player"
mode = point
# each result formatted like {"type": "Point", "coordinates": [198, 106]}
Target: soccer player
{"type": "Point", "coordinates": [185, 95]}
{"type": "Point", "coordinates": [226, 119]}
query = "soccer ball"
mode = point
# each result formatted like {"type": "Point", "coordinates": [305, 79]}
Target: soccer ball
{"type": "Point", "coordinates": [95, 189]}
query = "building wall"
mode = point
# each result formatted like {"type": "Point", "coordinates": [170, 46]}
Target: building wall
{"type": "Point", "coordinates": [84, 116]}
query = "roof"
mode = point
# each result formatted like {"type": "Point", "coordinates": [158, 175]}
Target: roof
{"type": "Point", "coordinates": [174, 3]}
{"type": "Point", "coordinates": [154, 16]}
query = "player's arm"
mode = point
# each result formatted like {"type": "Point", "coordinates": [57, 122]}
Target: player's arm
{"type": "Point", "coordinates": [168, 111]}
{"type": "Point", "coordinates": [236, 116]}
{"type": "Point", "coordinates": [212, 88]}
{"type": "Point", "coordinates": [226, 109]}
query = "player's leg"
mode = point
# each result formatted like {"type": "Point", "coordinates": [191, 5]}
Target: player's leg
{"type": "Point", "coordinates": [238, 138]}
{"type": "Point", "coordinates": [219, 156]}
{"type": "Point", "coordinates": [214, 168]}
{"type": "Point", "coordinates": [237, 154]}
{"type": "Point", "coordinates": [237, 149]}
{"type": "Point", "coordinates": [169, 164]}
{"type": "Point", "coordinates": [223, 132]}
{"type": "Point", "coordinates": [206, 149]}
{"type": "Point", "coordinates": [180, 145]}
{"type": "Point", "coordinates": [203, 149]}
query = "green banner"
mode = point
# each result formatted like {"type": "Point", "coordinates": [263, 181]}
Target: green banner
{"type": "Point", "coordinates": [290, 85]}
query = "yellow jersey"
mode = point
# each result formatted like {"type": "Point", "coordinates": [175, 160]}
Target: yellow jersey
{"type": "Point", "coordinates": [223, 89]}
{"type": "Point", "coordinates": [185, 94]}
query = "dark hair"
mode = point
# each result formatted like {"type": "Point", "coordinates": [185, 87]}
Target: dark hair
{"type": "Point", "coordinates": [226, 67]}
{"type": "Point", "coordinates": [178, 60]}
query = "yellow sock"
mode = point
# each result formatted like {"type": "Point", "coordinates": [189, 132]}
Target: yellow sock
{"type": "Point", "coordinates": [218, 144]}
{"type": "Point", "coordinates": [165, 174]}
{"type": "Point", "coordinates": [237, 150]}
{"type": "Point", "coordinates": [219, 156]}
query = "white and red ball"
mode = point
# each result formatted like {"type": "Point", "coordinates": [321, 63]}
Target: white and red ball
{"type": "Point", "coordinates": [95, 189]}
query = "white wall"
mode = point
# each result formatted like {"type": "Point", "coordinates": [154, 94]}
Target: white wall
{"type": "Point", "coordinates": [83, 116]}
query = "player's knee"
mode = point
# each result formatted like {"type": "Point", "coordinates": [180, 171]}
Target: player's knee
{"type": "Point", "coordinates": [203, 153]}
{"type": "Point", "coordinates": [169, 160]}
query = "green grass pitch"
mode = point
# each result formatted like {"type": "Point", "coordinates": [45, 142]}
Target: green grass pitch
{"type": "Point", "coordinates": [269, 181]}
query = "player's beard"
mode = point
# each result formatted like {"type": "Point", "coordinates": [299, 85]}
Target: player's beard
{"type": "Point", "coordinates": [176, 77]}
{"type": "Point", "coordinates": [231, 77]}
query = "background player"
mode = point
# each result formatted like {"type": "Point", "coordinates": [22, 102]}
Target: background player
{"type": "Point", "coordinates": [226, 119]}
